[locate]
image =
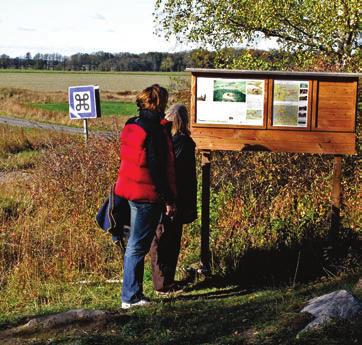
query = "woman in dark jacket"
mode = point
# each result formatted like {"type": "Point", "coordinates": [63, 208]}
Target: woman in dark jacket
{"type": "Point", "coordinates": [165, 247]}
{"type": "Point", "coordinates": [146, 178]}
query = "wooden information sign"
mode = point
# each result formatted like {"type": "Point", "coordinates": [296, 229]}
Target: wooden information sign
{"type": "Point", "coordinates": [274, 111]}
{"type": "Point", "coordinates": [303, 112]}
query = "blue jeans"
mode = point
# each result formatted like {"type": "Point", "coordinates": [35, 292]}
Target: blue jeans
{"type": "Point", "coordinates": [144, 219]}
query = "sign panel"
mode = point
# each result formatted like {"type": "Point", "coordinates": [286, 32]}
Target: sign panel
{"type": "Point", "coordinates": [230, 101]}
{"type": "Point", "coordinates": [84, 102]}
{"type": "Point", "coordinates": [290, 103]}
{"type": "Point", "coordinates": [307, 112]}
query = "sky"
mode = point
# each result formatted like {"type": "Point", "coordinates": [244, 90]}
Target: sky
{"type": "Point", "coordinates": [71, 26]}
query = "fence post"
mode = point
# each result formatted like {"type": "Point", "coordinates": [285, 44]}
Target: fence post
{"type": "Point", "coordinates": [336, 196]}
{"type": "Point", "coordinates": [205, 212]}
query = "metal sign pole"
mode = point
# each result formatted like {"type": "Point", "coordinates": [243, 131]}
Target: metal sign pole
{"type": "Point", "coordinates": [85, 129]}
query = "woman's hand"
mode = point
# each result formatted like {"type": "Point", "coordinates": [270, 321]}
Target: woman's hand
{"type": "Point", "coordinates": [170, 210]}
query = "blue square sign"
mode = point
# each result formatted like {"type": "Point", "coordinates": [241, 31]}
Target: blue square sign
{"type": "Point", "coordinates": [83, 102]}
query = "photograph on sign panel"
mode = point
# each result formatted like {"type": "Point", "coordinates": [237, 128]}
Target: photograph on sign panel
{"type": "Point", "coordinates": [254, 116]}
{"type": "Point", "coordinates": [285, 115]}
{"type": "Point", "coordinates": [255, 87]}
{"type": "Point", "coordinates": [229, 91]}
{"type": "Point", "coordinates": [202, 97]}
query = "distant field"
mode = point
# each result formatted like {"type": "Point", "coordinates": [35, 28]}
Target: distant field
{"type": "Point", "coordinates": [108, 81]}
{"type": "Point", "coordinates": [107, 107]}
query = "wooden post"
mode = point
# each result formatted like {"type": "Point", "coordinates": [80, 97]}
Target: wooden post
{"type": "Point", "coordinates": [336, 196]}
{"type": "Point", "coordinates": [205, 212]}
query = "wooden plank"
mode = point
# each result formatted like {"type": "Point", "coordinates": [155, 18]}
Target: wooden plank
{"type": "Point", "coordinates": [336, 106]}
{"type": "Point", "coordinates": [275, 141]}
{"type": "Point", "coordinates": [336, 196]}
{"type": "Point", "coordinates": [296, 75]}
{"type": "Point", "coordinates": [193, 100]}
{"type": "Point", "coordinates": [314, 105]}
{"type": "Point", "coordinates": [205, 211]}
{"type": "Point", "coordinates": [270, 103]}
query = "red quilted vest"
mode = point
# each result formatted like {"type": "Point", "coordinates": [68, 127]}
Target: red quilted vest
{"type": "Point", "coordinates": [134, 180]}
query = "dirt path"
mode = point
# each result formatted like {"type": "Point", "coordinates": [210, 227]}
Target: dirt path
{"type": "Point", "coordinates": [9, 176]}
{"type": "Point", "coordinates": [12, 121]}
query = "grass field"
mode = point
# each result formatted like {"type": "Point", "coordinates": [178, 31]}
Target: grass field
{"type": "Point", "coordinates": [209, 313]}
{"type": "Point", "coordinates": [108, 81]}
{"type": "Point", "coordinates": [108, 108]}
{"type": "Point", "coordinates": [20, 147]}
{"type": "Point", "coordinates": [52, 107]}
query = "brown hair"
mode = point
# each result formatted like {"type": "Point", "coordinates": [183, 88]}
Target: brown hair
{"type": "Point", "coordinates": [180, 119]}
{"type": "Point", "coordinates": [153, 98]}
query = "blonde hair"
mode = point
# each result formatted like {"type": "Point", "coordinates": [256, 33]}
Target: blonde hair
{"type": "Point", "coordinates": [153, 98]}
{"type": "Point", "coordinates": [180, 120]}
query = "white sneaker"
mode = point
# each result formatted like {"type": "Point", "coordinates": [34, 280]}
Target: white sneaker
{"type": "Point", "coordinates": [140, 303]}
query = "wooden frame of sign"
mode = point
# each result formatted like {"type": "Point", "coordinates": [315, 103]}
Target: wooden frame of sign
{"type": "Point", "coordinates": [331, 104]}
{"type": "Point", "coordinates": [304, 112]}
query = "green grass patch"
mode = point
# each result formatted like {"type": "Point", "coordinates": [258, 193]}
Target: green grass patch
{"type": "Point", "coordinates": [9, 208]}
{"type": "Point", "coordinates": [19, 161]}
{"type": "Point", "coordinates": [209, 314]}
{"type": "Point", "coordinates": [108, 108]}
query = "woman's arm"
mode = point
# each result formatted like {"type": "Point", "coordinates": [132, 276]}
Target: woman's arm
{"type": "Point", "coordinates": [156, 155]}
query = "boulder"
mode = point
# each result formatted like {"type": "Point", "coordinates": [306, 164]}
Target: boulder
{"type": "Point", "coordinates": [63, 320]}
{"type": "Point", "coordinates": [336, 305]}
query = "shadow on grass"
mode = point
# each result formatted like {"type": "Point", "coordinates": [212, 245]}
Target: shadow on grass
{"type": "Point", "coordinates": [244, 313]}
{"type": "Point", "coordinates": [190, 323]}
{"type": "Point", "coordinates": [300, 263]}
{"type": "Point", "coordinates": [266, 318]}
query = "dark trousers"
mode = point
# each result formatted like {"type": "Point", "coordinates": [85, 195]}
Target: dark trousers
{"type": "Point", "coordinates": [165, 249]}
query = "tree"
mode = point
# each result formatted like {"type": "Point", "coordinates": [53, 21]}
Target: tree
{"type": "Point", "coordinates": [318, 29]}
{"type": "Point", "coordinates": [4, 61]}
{"type": "Point", "coordinates": [167, 64]}
{"type": "Point", "coordinates": [200, 58]}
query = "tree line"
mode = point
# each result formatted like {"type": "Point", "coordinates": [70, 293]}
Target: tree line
{"type": "Point", "coordinates": [311, 35]}
{"type": "Point", "coordinates": [103, 61]}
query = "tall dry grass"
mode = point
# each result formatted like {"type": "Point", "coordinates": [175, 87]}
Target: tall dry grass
{"type": "Point", "coordinates": [276, 205]}
{"type": "Point", "coordinates": [264, 208]}
{"type": "Point", "coordinates": [56, 236]}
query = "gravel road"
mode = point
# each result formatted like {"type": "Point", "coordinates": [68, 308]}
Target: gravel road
{"type": "Point", "coordinates": [12, 121]}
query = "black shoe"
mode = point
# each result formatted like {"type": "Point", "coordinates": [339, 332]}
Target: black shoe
{"type": "Point", "coordinates": [172, 289]}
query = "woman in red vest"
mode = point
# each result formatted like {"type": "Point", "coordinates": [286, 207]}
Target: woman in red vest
{"type": "Point", "coordinates": [146, 178]}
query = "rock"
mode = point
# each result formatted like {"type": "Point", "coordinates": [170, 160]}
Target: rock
{"type": "Point", "coordinates": [359, 284]}
{"type": "Point", "coordinates": [61, 320]}
{"type": "Point", "coordinates": [336, 305]}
